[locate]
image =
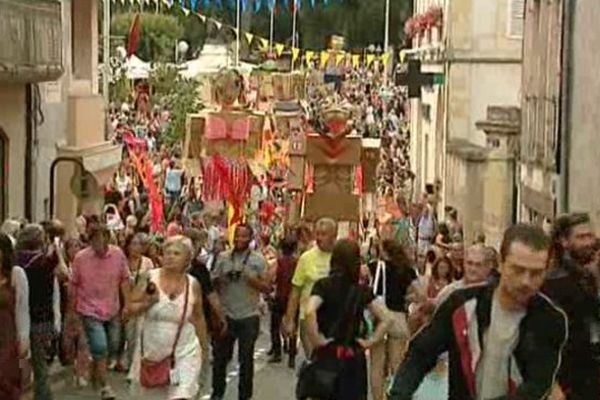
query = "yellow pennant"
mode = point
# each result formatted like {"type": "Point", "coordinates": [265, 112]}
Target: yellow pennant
{"type": "Point", "coordinates": [402, 57]}
{"type": "Point", "coordinates": [234, 30]}
{"type": "Point", "coordinates": [385, 57]}
{"type": "Point", "coordinates": [218, 24]}
{"type": "Point", "coordinates": [339, 58]}
{"type": "Point", "coordinates": [324, 58]}
{"type": "Point", "coordinates": [279, 49]}
{"type": "Point", "coordinates": [264, 43]}
{"type": "Point", "coordinates": [167, 3]}
{"type": "Point", "coordinates": [295, 53]}
{"type": "Point", "coordinates": [185, 11]}
{"type": "Point", "coordinates": [309, 56]}
{"type": "Point", "coordinates": [249, 37]}
{"type": "Point", "coordinates": [202, 17]}
{"type": "Point", "coordinates": [355, 61]}
{"type": "Point", "coordinates": [370, 58]}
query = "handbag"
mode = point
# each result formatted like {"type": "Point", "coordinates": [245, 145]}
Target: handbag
{"type": "Point", "coordinates": [318, 378]}
{"type": "Point", "coordinates": [155, 374]}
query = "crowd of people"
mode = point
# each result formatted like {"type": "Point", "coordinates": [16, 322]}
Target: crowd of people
{"type": "Point", "coordinates": [162, 306]}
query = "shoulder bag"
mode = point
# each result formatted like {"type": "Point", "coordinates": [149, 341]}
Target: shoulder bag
{"type": "Point", "coordinates": [155, 374]}
{"type": "Point", "coordinates": [318, 378]}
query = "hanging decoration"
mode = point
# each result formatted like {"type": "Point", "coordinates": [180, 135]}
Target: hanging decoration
{"type": "Point", "coordinates": [229, 180]}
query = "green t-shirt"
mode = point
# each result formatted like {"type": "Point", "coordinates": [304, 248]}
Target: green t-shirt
{"type": "Point", "coordinates": [312, 266]}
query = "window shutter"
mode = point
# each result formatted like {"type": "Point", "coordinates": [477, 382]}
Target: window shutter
{"type": "Point", "coordinates": [516, 18]}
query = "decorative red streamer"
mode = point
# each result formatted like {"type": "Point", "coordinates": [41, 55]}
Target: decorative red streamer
{"type": "Point", "coordinates": [227, 180]}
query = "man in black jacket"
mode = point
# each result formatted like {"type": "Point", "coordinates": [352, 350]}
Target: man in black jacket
{"type": "Point", "coordinates": [504, 338]}
{"type": "Point", "coordinates": [573, 288]}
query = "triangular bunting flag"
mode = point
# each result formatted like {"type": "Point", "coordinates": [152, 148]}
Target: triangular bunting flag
{"type": "Point", "coordinates": [385, 57]}
{"type": "Point", "coordinates": [168, 3]}
{"type": "Point", "coordinates": [234, 30]}
{"type": "Point", "coordinates": [295, 53]}
{"type": "Point", "coordinates": [202, 17]}
{"type": "Point", "coordinates": [217, 24]}
{"type": "Point", "coordinates": [309, 55]}
{"type": "Point", "coordinates": [324, 58]}
{"type": "Point", "coordinates": [185, 11]}
{"type": "Point", "coordinates": [402, 57]}
{"type": "Point", "coordinates": [339, 58]}
{"type": "Point", "coordinates": [264, 43]}
{"type": "Point", "coordinates": [249, 37]}
{"type": "Point", "coordinates": [370, 58]}
{"type": "Point", "coordinates": [279, 49]}
{"type": "Point", "coordinates": [355, 61]}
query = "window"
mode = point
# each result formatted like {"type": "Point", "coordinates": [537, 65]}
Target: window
{"type": "Point", "coordinates": [516, 19]}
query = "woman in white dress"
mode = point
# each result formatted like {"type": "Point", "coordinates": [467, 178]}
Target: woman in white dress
{"type": "Point", "coordinates": [160, 305]}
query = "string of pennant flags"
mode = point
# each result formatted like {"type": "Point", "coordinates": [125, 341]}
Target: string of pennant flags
{"type": "Point", "coordinates": [321, 58]}
{"type": "Point", "coordinates": [195, 5]}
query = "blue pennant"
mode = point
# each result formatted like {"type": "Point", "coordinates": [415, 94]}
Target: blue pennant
{"type": "Point", "coordinates": [257, 5]}
{"type": "Point", "coordinates": [194, 4]}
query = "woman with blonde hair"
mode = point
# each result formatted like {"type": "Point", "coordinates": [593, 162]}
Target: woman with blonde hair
{"type": "Point", "coordinates": [172, 331]}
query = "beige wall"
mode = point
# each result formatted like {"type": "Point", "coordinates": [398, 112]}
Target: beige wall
{"type": "Point", "coordinates": [584, 157]}
{"type": "Point", "coordinates": [473, 87]}
{"type": "Point", "coordinates": [12, 121]}
{"type": "Point", "coordinates": [465, 190]}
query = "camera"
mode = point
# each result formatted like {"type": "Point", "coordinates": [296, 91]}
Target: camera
{"type": "Point", "coordinates": [234, 275]}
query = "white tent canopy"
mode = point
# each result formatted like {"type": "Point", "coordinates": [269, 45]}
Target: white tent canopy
{"type": "Point", "coordinates": [136, 68]}
{"type": "Point", "coordinates": [212, 58]}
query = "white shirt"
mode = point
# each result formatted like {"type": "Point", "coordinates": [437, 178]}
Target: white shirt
{"type": "Point", "coordinates": [499, 342]}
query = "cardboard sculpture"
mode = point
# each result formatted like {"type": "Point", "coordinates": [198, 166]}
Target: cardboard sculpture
{"type": "Point", "coordinates": [333, 159]}
{"type": "Point", "coordinates": [229, 131]}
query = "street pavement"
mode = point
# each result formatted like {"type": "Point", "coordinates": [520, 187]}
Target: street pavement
{"type": "Point", "coordinates": [271, 381]}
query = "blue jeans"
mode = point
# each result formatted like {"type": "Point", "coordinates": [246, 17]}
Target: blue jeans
{"type": "Point", "coordinates": [104, 337]}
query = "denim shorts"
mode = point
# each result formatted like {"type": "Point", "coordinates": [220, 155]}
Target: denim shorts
{"type": "Point", "coordinates": [104, 337]}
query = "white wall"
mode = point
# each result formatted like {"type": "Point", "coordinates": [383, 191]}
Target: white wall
{"type": "Point", "coordinates": [12, 121]}
{"type": "Point", "coordinates": [54, 130]}
{"type": "Point", "coordinates": [584, 178]}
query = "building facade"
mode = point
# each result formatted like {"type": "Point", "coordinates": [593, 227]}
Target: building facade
{"type": "Point", "coordinates": [60, 115]}
{"type": "Point", "coordinates": [479, 51]}
{"type": "Point", "coordinates": [558, 143]}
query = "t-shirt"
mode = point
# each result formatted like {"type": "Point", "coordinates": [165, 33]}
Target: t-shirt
{"type": "Point", "coordinates": [97, 281]}
{"type": "Point", "coordinates": [334, 291]}
{"type": "Point", "coordinates": [173, 180]}
{"type": "Point", "coordinates": [499, 342]}
{"type": "Point", "coordinates": [312, 266]}
{"type": "Point", "coordinates": [239, 299]}
{"type": "Point", "coordinates": [397, 282]}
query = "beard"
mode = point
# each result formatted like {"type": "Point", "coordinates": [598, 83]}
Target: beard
{"type": "Point", "coordinates": [583, 255]}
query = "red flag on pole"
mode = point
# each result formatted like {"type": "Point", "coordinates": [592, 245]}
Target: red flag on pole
{"type": "Point", "coordinates": [133, 39]}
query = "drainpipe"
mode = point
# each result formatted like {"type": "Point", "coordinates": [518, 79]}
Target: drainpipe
{"type": "Point", "coordinates": [565, 107]}
{"type": "Point", "coordinates": [29, 127]}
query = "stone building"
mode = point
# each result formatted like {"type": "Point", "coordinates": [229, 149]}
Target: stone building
{"type": "Point", "coordinates": [50, 106]}
{"type": "Point", "coordinates": [559, 155]}
{"type": "Point", "coordinates": [479, 52]}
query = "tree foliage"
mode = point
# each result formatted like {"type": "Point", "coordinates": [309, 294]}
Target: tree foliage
{"type": "Point", "coordinates": [360, 21]}
{"type": "Point", "coordinates": [178, 95]}
{"type": "Point", "coordinates": [159, 34]}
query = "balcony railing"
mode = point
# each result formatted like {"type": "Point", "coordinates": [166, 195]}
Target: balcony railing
{"type": "Point", "coordinates": [30, 40]}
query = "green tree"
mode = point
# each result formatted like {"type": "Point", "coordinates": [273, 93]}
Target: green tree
{"type": "Point", "coordinates": [178, 95]}
{"type": "Point", "coordinates": [159, 34]}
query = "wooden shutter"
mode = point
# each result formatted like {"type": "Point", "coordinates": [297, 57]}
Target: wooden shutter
{"type": "Point", "coordinates": [516, 18]}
